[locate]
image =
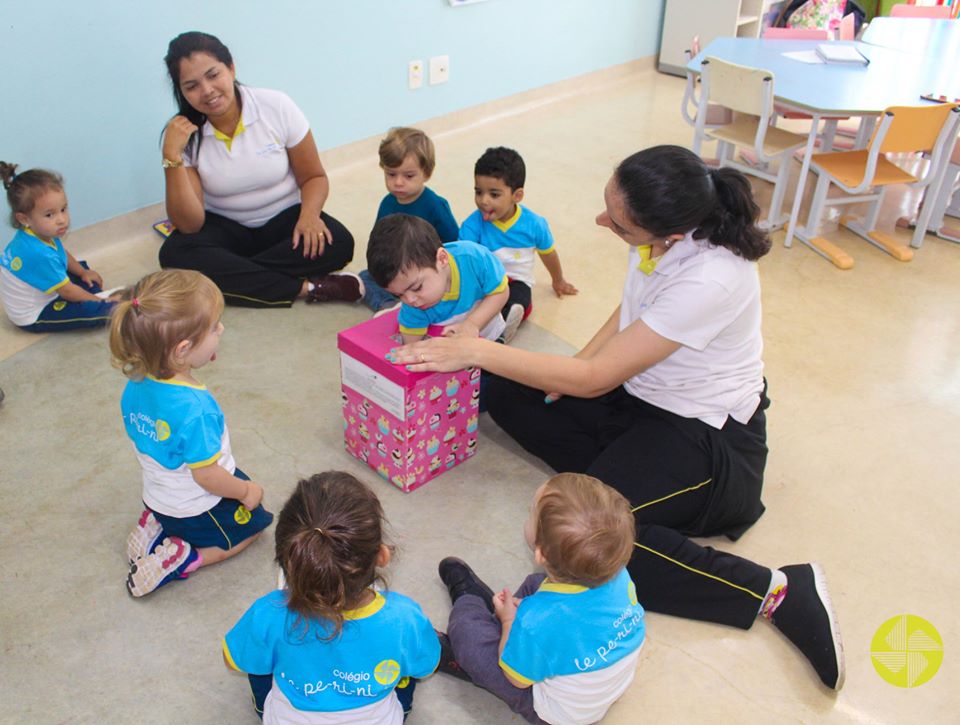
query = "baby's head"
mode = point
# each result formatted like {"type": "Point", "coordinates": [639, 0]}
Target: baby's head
{"type": "Point", "coordinates": [407, 159]}
{"type": "Point", "coordinates": [581, 530]}
{"type": "Point", "coordinates": [165, 324]}
{"type": "Point", "coordinates": [330, 546]}
{"type": "Point", "coordinates": [406, 258]}
{"type": "Point", "coordinates": [498, 178]}
{"type": "Point", "coordinates": [37, 200]}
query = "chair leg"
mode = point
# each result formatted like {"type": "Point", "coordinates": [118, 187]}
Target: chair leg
{"type": "Point", "coordinates": [817, 204]}
{"type": "Point", "coordinates": [779, 191]}
{"type": "Point", "coordinates": [947, 188]}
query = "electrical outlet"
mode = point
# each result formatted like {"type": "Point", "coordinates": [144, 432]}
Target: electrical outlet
{"type": "Point", "coordinates": [414, 74]}
{"type": "Point", "coordinates": [439, 69]}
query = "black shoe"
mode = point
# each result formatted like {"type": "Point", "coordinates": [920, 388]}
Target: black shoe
{"type": "Point", "coordinates": [448, 663]}
{"type": "Point", "coordinates": [460, 579]}
{"type": "Point", "coordinates": [336, 287]}
{"type": "Point", "coordinates": [807, 619]}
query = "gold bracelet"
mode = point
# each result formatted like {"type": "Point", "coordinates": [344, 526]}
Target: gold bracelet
{"type": "Point", "coordinates": [168, 164]}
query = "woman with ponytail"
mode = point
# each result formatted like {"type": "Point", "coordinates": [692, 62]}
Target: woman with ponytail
{"type": "Point", "coordinates": [329, 647]}
{"type": "Point", "coordinates": [666, 402]}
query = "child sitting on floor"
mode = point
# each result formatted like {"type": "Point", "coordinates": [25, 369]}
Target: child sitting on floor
{"type": "Point", "coordinates": [564, 647]}
{"type": "Point", "coordinates": [45, 289]}
{"type": "Point", "coordinates": [200, 508]}
{"type": "Point", "coordinates": [408, 159]}
{"type": "Point", "coordinates": [461, 285]}
{"type": "Point", "coordinates": [511, 231]}
{"type": "Point", "coordinates": [328, 647]}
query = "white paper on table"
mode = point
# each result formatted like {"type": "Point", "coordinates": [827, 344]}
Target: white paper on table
{"type": "Point", "coordinates": [804, 56]}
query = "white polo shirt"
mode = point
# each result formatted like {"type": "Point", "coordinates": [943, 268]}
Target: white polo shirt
{"type": "Point", "coordinates": [707, 299]}
{"type": "Point", "coordinates": [250, 180]}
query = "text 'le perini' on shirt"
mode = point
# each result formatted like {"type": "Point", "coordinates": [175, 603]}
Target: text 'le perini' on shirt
{"type": "Point", "coordinates": [347, 679]}
{"type": "Point", "coordinates": [175, 427]}
{"type": "Point", "coordinates": [577, 647]}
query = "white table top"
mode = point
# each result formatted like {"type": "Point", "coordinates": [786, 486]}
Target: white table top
{"type": "Point", "coordinates": [892, 78]}
{"type": "Point", "coordinates": [939, 39]}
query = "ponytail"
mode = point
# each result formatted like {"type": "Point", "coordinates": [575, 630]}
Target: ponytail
{"type": "Point", "coordinates": [736, 214]}
{"type": "Point", "coordinates": [669, 190]}
{"type": "Point", "coordinates": [328, 540]}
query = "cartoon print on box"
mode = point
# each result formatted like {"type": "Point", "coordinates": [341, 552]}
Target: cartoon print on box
{"type": "Point", "coordinates": [417, 435]}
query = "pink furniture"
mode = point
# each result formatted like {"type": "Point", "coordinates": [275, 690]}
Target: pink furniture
{"type": "Point", "coordinates": [408, 427]}
{"type": "Point", "coordinates": [903, 10]}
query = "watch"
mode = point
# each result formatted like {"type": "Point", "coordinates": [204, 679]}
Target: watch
{"type": "Point", "coordinates": [168, 164]}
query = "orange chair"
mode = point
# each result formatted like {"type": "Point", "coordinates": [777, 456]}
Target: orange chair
{"type": "Point", "coordinates": [865, 174]}
{"type": "Point", "coordinates": [748, 92]}
{"type": "Point", "coordinates": [903, 10]}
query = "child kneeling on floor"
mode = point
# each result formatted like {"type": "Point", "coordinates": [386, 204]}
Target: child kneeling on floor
{"type": "Point", "coordinates": [328, 647]}
{"type": "Point", "coordinates": [200, 508]}
{"type": "Point", "coordinates": [564, 647]}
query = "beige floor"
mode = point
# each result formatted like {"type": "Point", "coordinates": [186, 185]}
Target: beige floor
{"type": "Point", "coordinates": [863, 374]}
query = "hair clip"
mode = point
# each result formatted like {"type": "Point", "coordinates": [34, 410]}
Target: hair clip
{"type": "Point", "coordinates": [318, 530]}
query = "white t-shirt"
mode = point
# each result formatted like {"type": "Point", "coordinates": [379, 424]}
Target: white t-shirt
{"type": "Point", "coordinates": [707, 299]}
{"type": "Point", "coordinates": [251, 181]}
{"type": "Point", "coordinates": [278, 710]}
{"type": "Point", "coordinates": [585, 697]}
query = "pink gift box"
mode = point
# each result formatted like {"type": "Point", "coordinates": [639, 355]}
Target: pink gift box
{"type": "Point", "coordinates": [408, 427]}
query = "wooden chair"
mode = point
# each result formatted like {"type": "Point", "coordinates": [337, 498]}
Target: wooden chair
{"type": "Point", "coordinates": [749, 93]}
{"type": "Point", "coordinates": [717, 115]}
{"type": "Point", "coordinates": [903, 10]}
{"type": "Point", "coordinates": [865, 174]}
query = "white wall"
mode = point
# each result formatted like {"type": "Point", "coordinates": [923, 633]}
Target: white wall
{"type": "Point", "coordinates": [85, 91]}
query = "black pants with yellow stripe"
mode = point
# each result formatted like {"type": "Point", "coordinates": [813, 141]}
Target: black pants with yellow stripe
{"type": "Point", "coordinates": [683, 477]}
{"type": "Point", "coordinates": [256, 266]}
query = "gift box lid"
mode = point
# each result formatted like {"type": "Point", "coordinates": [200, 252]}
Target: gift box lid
{"type": "Point", "coordinates": [370, 341]}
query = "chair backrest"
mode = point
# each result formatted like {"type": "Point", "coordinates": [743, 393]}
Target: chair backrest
{"type": "Point", "coordinates": [915, 128]}
{"type": "Point", "coordinates": [848, 28]}
{"type": "Point", "coordinates": [738, 87]}
{"type": "Point", "coordinates": [796, 34]}
{"type": "Point", "coordinates": [902, 10]}
{"type": "Point", "coordinates": [695, 46]}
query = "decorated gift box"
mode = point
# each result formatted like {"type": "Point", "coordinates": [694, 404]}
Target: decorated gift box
{"type": "Point", "coordinates": [408, 427]}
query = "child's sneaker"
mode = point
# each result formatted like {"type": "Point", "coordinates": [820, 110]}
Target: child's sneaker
{"type": "Point", "coordinates": [336, 287]}
{"type": "Point", "coordinates": [143, 539]}
{"type": "Point", "coordinates": [460, 579]}
{"type": "Point", "coordinates": [154, 570]}
{"type": "Point", "coordinates": [513, 319]}
{"type": "Point", "coordinates": [807, 618]}
{"type": "Point", "coordinates": [448, 663]}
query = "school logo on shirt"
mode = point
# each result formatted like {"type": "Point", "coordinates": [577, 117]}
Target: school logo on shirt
{"type": "Point", "coordinates": [163, 430]}
{"type": "Point", "coordinates": [59, 305]}
{"type": "Point", "coordinates": [386, 671]}
{"type": "Point", "coordinates": [16, 264]}
{"type": "Point", "coordinates": [241, 515]}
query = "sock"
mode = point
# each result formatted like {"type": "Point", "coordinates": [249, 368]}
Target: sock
{"type": "Point", "coordinates": [193, 562]}
{"type": "Point", "coordinates": [310, 286]}
{"type": "Point", "coordinates": [775, 594]}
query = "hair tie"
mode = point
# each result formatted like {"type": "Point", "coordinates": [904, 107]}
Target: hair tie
{"type": "Point", "coordinates": [318, 530]}
{"type": "Point", "coordinates": [135, 304]}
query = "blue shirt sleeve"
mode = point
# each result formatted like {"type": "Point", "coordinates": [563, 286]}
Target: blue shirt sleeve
{"type": "Point", "coordinates": [493, 277]}
{"type": "Point", "coordinates": [248, 646]}
{"type": "Point", "coordinates": [445, 223]}
{"type": "Point", "coordinates": [422, 648]}
{"type": "Point", "coordinates": [39, 265]}
{"type": "Point", "coordinates": [413, 321]}
{"type": "Point", "coordinates": [202, 440]}
{"type": "Point", "coordinates": [522, 658]}
{"type": "Point", "coordinates": [384, 208]}
{"type": "Point", "coordinates": [544, 236]}
{"type": "Point", "coordinates": [470, 229]}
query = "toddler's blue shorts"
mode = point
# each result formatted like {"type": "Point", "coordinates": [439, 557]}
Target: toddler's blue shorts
{"type": "Point", "coordinates": [224, 526]}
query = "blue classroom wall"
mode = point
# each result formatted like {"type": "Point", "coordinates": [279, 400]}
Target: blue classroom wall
{"type": "Point", "coordinates": [86, 91]}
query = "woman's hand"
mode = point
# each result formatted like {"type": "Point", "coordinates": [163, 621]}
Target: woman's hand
{"type": "Point", "coordinates": [464, 328]}
{"type": "Point", "coordinates": [313, 233]}
{"type": "Point", "coordinates": [437, 354]}
{"type": "Point", "coordinates": [175, 137]}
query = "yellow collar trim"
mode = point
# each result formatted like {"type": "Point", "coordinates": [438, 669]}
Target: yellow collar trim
{"type": "Point", "coordinates": [454, 292]}
{"type": "Point", "coordinates": [561, 588]}
{"type": "Point", "coordinates": [647, 263]}
{"type": "Point", "coordinates": [33, 234]}
{"type": "Point", "coordinates": [368, 610]}
{"type": "Point", "coordinates": [173, 381]}
{"type": "Point", "coordinates": [505, 226]}
{"type": "Point", "coordinates": [228, 140]}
